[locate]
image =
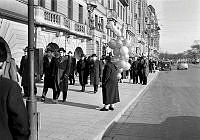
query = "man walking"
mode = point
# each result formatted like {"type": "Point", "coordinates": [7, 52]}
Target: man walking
{"type": "Point", "coordinates": [83, 70]}
{"type": "Point", "coordinates": [95, 72]}
{"type": "Point", "coordinates": [50, 73]}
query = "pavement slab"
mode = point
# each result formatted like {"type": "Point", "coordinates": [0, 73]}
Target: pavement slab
{"type": "Point", "coordinates": [79, 117]}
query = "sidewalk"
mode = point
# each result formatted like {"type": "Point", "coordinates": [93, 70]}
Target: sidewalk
{"type": "Point", "coordinates": [79, 118]}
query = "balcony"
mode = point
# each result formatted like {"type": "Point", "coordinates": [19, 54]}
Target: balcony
{"type": "Point", "coordinates": [58, 21]}
{"type": "Point", "coordinates": [112, 15]}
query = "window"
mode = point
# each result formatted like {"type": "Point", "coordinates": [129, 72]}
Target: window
{"type": "Point", "coordinates": [102, 2]}
{"type": "Point", "coordinates": [70, 9]}
{"type": "Point", "coordinates": [114, 5]}
{"type": "Point", "coordinates": [102, 25]}
{"type": "Point", "coordinates": [96, 21]}
{"type": "Point", "coordinates": [80, 13]}
{"type": "Point", "coordinates": [121, 12]}
{"type": "Point", "coordinates": [118, 8]}
{"type": "Point", "coordinates": [42, 3]}
{"type": "Point", "coordinates": [108, 4]}
{"type": "Point", "coordinates": [54, 5]}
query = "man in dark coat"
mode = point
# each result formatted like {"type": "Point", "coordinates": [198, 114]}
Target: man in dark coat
{"type": "Point", "coordinates": [72, 68]}
{"type": "Point", "coordinates": [64, 68]}
{"type": "Point", "coordinates": [14, 124]}
{"type": "Point", "coordinates": [83, 71]}
{"type": "Point", "coordinates": [50, 73]}
{"type": "Point", "coordinates": [24, 72]}
{"type": "Point", "coordinates": [145, 69]}
{"type": "Point", "coordinates": [109, 85]}
{"type": "Point", "coordinates": [140, 69]}
{"type": "Point", "coordinates": [95, 72]}
{"type": "Point", "coordinates": [134, 70]}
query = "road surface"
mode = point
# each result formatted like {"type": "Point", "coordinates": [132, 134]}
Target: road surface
{"type": "Point", "coordinates": [168, 110]}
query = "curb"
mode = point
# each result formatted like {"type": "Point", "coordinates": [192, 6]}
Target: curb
{"type": "Point", "coordinates": [133, 101]}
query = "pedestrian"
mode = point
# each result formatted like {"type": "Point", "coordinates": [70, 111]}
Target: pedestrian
{"type": "Point", "coordinates": [64, 66]}
{"type": "Point", "coordinates": [134, 70]}
{"type": "Point", "coordinates": [14, 124]}
{"type": "Point", "coordinates": [50, 74]}
{"type": "Point", "coordinates": [102, 63]}
{"type": "Point", "coordinates": [95, 72]}
{"type": "Point", "coordinates": [110, 91]}
{"type": "Point", "coordinates": [83, 71]}
{"type": "Point", "coordinates": [72, 68]}
{"type": "Point", "coordinates": [10, 71]}
{"type": "Point", "coordinates": [140, 71]}
{"type": "Point", "coordinates": [145, 69]}
{"type": "Point", "coordinates": [24, 73]}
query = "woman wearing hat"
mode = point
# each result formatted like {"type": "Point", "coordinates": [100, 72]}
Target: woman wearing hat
{"type": "Point", "coordinates": [110, 89]}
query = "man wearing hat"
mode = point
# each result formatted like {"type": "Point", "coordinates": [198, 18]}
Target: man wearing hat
{"type": "Point", "coordinates": [50, 73]}
{"type": "Point", "coordinates": [24, 72]}
{"type": "Point", "coordinates": [83, 71]}
{"type": "Point", "coordinates": [14, 123]}
{"type": "Point", "coordinates": [95, 72]}
{"type": "Point", "coordinates": [72, 68]}
{"type": "Point", "coordinates": [63, 64]}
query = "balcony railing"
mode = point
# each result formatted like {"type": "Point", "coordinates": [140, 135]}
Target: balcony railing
{"type": "Point", "coordinates": [47, 17]}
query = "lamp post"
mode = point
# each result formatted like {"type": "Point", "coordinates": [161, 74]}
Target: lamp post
{"type": "Point", "coordinates": [31, 101]}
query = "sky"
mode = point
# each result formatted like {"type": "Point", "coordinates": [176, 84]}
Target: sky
{"type": "Point", "coordinates": [179, 21]}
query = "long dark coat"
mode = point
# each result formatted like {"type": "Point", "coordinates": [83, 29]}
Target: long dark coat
{"type": "Point", "coordinates": [145, 67]}
{"type": "Point", "coordinates": [110, 84]}
{"type": "Point", "coordinates": [95, 72]}
{"type": "Point", "coordinates": [64, 68]}
{"type": "Point", "coordinates": [14, 124]}
{"type": "Point", "coordinates": [50, 72]}
{"type": "Point", "coordinates": [134, 68]}
{"type": "Point", "coordinates": [83, 71]}
{"type": "Point", "coordinates": [24, 71]}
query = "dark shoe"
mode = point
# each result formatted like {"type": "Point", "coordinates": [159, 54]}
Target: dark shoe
{"type": "Point", "coordinates": [104, 109]}
{"type": "Point", "coordinates": [111, 108]}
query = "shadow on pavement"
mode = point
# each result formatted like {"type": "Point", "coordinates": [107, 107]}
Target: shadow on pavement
{"type": "Point", "coordinates": [173, 128]}
{"type": "Point", "coordinates": [81, 105]}
{"type": "Point", "coordinates": [87, 106]}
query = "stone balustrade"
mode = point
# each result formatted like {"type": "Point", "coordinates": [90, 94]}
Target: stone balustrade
{"type": "Point", "coordinates": [47, 17]}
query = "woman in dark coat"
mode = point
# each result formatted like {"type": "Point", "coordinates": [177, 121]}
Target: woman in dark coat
{"type": "Point", "coordinates": [109, 85]}
{"type": "Point", "coordinates": [83, 71]}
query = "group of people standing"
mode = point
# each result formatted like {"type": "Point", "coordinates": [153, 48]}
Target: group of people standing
{"type": "Point", "coordinates": [139, 70]}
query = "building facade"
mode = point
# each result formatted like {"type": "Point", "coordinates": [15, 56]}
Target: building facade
{"type": "Point", "coordinates": [77, 25]}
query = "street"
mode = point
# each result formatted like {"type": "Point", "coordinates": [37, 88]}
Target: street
{"type": "Point", "coordinates": [168, 110]}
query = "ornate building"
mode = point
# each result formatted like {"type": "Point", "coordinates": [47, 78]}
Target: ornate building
{"type": "Point", "coordinates": [78, 25]}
